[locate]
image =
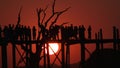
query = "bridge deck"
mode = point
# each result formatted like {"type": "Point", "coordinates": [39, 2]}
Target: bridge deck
{"type": "Point", "coordinates": [69, 42]}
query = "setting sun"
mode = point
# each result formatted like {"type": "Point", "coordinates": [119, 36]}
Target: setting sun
{"type": "Point", "coordinates": [53, 48]}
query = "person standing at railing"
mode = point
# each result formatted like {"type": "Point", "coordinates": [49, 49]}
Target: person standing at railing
{"type": "Point", "coordinates": [28, 30]}
{"type": "Point", "coordinates": [82, 32]}
{"type": "Point", "coordinates": [89, 32]}
{"type": "Point", "coordinates": [34, 33]}
{"type": "Point", "coordinates": [5, 33]}
{"type": "Point", "coordinates": [75, 32]}
{"type": "Point", "coordinates": [0, 32]}
{"type": "Point", "coordinates": [114, 37]}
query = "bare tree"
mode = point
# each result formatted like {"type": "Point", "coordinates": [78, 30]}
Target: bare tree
{"type": "Point", "coordinates": [36, 57]}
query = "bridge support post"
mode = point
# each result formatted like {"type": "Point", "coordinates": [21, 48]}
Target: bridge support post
{"type": "Point", "coordinates": [14, 55]}
{"type": "Point", "coordinates": [48, 56]}
{"type": "Point", "coordinates": [63, 57]}
{"type": "Point", "coordinates": [97, 42]}
{"type": "Point", "coordinates": [82, 55]}
{"type": "Point", "coordinates": [27, 56]}
{"type": "Point", "coordinates": [44, 57]}
{"type": "Point", "coordinates": [101, 38]}
{"type": "Point", "coordinates": [4, 55]}
{"type": "Point", "coordinates": [68, 56]}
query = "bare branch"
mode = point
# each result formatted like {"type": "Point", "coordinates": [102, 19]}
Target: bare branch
{"type": "Point", "coordinates": [53, 13]}
{"type": "Point", "coordinates": [55, 20]}
{"type": "Point", "coordinates": [64, 10]}
{"type": "Point", "coordinates": [49, 19]}
{"type": "Point", "coordinates": [64, 23]}
{"type": "Point", "coordinates": [58, 15]}
{"type": "Point", "coordinates": [53, 7]}
{"type": "Point", "coordinates": [38, 13]}
{"type": "Point", "coordinates": [43, 17]}
{"type": "Point", "coordinates": [45, 8]}
{"type": "Point", "coordinates": [44, 12]}
{"type": "Point", "coordinates": [19, 19]}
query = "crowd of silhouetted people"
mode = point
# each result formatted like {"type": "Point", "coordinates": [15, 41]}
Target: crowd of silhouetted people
{"type": "Point", "coordinates": [75, 32]}
{"type": "Point", "coordinates": [21, 32]}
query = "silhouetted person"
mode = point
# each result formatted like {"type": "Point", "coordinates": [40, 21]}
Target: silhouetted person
{"type": "Point", "coordinates": [34, 32]}
{"type": "Point", "coordinates": [96, 36]}
{"type": "Point", "coordinates": [114, 37]}
{"type": "Point", "coordinates": [114, 32]}
{"type": "Point", "coordinates": [57, 31]}
{"type": "Point", "coordinates": [10, 32]}
{"type": "Point", "coordinates": [63, 32]}
{"type": "Point", "coordinates": [117, 32]}
{"type": "Point", "coordinates": [29, 32]}
{"type": "Point", "coordinates": [22, 30]}
{"type": "Point", "coordinates": [20, 33]}
{"type": "Point", "coordinates": [89, 32]}
{"type": "Point", "coordinates": [118, 38]}
{"type": "Point", "coordinates": [75, 32]}
{"type": "Point", "coordinates": [25, 33]}
{"type": "Point", "coordinates": [0, 32]}
{"type": "Point", "coordinates": [70, 31]}
{"type": "Point", "coordinates": [101, 37]}
{"type": "Point", "coordinates": [52, 32]}
{"type": "Point", "coordinates": [79, 32]}
{"type": "Point", "coordinates": [16, 32]}
{"type": "Point", "coordinates": [82, 32]}
{"type": "Point", "coordinates": [97, 44]}
{"type": "Point", "coordinates": [5, 33]}
{"type": "Point", "coordinates": [44, 31]}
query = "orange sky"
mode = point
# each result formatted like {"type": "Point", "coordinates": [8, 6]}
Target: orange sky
{"type": "Point", "coordinates": [97, 13]}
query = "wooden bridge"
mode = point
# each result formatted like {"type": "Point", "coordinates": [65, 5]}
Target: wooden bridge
{"type": "Point", "coordinates": [99, 41]}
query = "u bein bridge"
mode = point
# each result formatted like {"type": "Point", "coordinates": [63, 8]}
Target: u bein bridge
{"type": "Point", "coordinates": [24, 37]}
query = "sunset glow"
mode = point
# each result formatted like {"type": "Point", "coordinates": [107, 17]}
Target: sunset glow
{"type": "Point", "coordinates": [53, 48]}
{"type": "Point", "coordinates": [59, 33]}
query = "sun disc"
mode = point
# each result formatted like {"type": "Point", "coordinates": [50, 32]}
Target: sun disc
{"type": "Point", "coordinates": [53, 48]}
